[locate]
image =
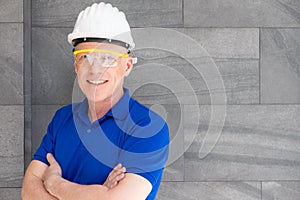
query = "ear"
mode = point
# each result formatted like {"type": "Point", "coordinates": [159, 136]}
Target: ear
{"type": "Point", "coordinates": [75, 67]}
{"type": "Point", "coordinates": [129, 66]}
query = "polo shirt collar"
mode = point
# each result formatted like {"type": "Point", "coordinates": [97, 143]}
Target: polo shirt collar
{"type": "Point", "coordinates": [119, 111]}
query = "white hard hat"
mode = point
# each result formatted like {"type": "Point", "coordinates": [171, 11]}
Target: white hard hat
{"type": "Point", "coordinates": [102, 23]}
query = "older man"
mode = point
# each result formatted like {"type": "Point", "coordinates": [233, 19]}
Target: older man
{"type": "Point", "coordinates": [108, 146]}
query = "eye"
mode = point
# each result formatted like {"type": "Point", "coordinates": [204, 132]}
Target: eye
{"type": "Point", "coordinates": [82, 58]}
{"type": "Point", "coordinates": [108, 57]}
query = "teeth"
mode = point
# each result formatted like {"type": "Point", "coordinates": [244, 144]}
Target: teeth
{"type": "Point", "coordinates": [97, 82]}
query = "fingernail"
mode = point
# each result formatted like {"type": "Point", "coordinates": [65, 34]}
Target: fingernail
{"type": "Point", "coordinates": [118, 166]}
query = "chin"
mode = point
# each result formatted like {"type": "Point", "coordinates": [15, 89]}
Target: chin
{"type": "Point", "coordinates": [99, 97]}
{"type": "Point", "coordinates": [95, 98]}
{"type": "Point", "coordinates": [100, 94]}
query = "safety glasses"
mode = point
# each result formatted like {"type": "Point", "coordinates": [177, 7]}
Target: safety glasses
{"type": "Point", "coordinates": [101, 57]}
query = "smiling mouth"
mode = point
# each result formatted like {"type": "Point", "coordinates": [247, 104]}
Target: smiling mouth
{"type": "Point", "coordinates": [97, 82]}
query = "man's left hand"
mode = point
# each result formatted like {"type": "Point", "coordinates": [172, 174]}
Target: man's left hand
{"type": "Point", "coordinates": [52, 172]}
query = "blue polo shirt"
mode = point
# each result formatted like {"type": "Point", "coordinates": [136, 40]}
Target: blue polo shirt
{"type": "Point", "coordinates": [129, 133]}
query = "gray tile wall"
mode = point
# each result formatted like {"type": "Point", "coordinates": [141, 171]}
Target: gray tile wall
{"type": "Point", "coordinates": [280, 65]}
{"type": "Point", "coordinates": [166, 13]}
{"type": "Point", "coordinates": [210, 190]}
{"type": "Point", "coordinates": [10, 193]}
{"type": "Point", "coordinates": [11, 99]}
{"type": "Point", "coordinates": [288, 190]}
{"type": "Point", "coordinates": [240, 13]}
{"type": "Point", "coordinates": [254, 45]}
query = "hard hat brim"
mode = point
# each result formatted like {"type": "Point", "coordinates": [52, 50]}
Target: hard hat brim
{"type": "Point", "coordinates": [75, 39]}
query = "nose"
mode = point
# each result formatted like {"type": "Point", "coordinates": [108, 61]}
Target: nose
{"type": "Point", "coordinates": [96, 68]}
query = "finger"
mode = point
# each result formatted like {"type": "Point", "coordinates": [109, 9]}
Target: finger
{"type": "Point", "coordinates": [51, 159]}
{"type": "Point", "coordinates": [117, 170]}
{"type": "Point", "coordinates": [123, 169]}
{"type": "Point", "coordinates": [113, 184]}
{"type": "Point", "coordinates": [113, 175]}
{"type": "Point", "coordinates": [118, 166]}
{"type": "Point", "coordinates": [118, 178]}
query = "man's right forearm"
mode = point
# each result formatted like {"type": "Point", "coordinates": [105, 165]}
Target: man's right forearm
{"type": "Point", "coordinates": [33, 189]}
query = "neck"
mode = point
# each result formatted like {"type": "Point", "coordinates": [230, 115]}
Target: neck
{"type": "Point", "coordinates": [100, 108]}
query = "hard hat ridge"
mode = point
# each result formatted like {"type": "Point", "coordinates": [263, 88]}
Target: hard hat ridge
{"type": "Point", "coordinates": [102, 21]}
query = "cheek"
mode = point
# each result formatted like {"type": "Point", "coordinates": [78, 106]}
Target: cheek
{"type": "Point", "coordinates": [115, 73]}
{"type": "Point", "coordinates": [121, 72]}
{"type": "Point", "coordinates": [81, 77]}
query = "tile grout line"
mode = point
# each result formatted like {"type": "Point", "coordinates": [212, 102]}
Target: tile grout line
{"type": "Point", "coordinates": [261, 192]}
{"type": "Point", "coordinates": [187, 27]}
{"type": "Point", "coordinates": [254, 104]}
{"type": "Point", "coordinates": [184, 175]}
{"type": "Point", "coordinates": [21, 22]}
{"type": "Point", "coordinates": [182, 13]}
{"type": "Point", "coordinates": [27, 81]}
{"type": "Point", "coordinates": [31, 75]}
{"type": "Point", "coordinates": [259, 65]}
{"type": "Point", "coordinates": [236, 181]}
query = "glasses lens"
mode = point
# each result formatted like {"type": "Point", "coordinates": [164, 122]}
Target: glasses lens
{"type": "Point", "coordinates": [81, 58]}
{"type": "Point", "coordinates": [102, 59]}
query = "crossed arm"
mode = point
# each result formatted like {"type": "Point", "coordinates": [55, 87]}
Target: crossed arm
{"type": "Point", "coordinates": [45, 182]}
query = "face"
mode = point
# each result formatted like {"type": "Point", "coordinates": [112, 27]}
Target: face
{"type": "Point", "coordinates": [100, 83]}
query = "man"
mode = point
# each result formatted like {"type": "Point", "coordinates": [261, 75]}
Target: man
{"type": "Point", "coordinates": [108, 146]}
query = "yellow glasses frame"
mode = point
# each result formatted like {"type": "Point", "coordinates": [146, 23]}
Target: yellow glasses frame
{"type": "Point", "coordinates": [122, 55]}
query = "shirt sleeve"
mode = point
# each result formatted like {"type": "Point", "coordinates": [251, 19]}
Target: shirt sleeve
{"type": "Point", "coordinates": [47, 144]}
{"type": "Point", "coordinates": [146, 156]}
